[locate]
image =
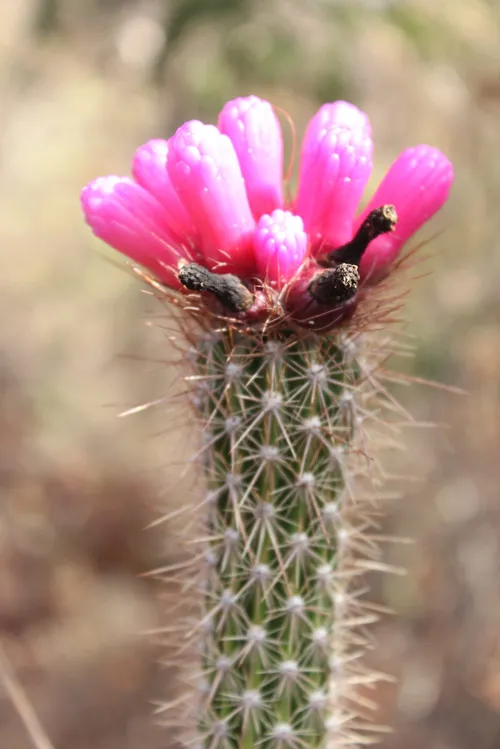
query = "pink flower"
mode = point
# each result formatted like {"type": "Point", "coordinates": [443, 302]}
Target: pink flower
{"type": "Point", "coordinates": [417, 184]}
{"type": "Point", "coordinates": [205, 172]}
{"type": "Point", "coordinates": [255, 133]}
{"type": "Point", "coordinates": [280, 245]}
{"type": "Point", "coordinates": [214, 196]}
{"type": "Point", "coordinates": [128, 217]}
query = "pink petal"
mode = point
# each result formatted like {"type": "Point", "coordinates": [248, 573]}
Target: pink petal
{"type": "Point", "coordinates": [337, 114]}
{"type": "Point", "coordinates": [418, 185]}
{"type": "Point", "coordinates": [335, 166]}
{"type": "Point", "coordinates": [255, 133]}
{"type": "Point", "coordinates": [149, 168]}
{"type": "Point", "coordinates": [280, 245]}
{"type": "Point", "coordinates": [334, 114]}
{"type": "Point", "coordinates": [128, 218]}
{"type": "Point", "coordinates": [206, 175]}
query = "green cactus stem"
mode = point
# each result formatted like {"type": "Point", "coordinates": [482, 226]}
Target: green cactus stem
{"type": "Point", "coordinates": [274, 620]}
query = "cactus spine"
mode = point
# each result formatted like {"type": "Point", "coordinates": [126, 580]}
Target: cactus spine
{"type": "Point", "coordinates": [276, 618]}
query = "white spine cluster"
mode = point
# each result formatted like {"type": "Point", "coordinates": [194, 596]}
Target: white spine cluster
{"type": "Point", "coordinates": [276, 621]}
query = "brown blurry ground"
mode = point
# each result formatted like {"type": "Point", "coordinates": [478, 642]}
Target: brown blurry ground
{"type": "Point", "coordinates": [81, 85]}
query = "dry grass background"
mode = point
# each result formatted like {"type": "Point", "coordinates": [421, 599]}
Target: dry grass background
{"type": "Point", "coordinates": [81, 84]}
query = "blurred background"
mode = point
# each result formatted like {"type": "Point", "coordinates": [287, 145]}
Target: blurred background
{"type": "Point", "coordinates": [82, 83]}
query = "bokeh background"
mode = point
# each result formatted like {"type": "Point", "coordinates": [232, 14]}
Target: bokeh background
{"type": "Point", "coordinates": [82, 83]}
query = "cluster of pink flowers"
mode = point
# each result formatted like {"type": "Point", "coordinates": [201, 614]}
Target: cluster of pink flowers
{"type": "Point", "coordinates": [214, 196]}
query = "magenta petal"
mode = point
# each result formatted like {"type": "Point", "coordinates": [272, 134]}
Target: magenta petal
{"type": "Point", "coordinates": [205, 172]}
{"type": "Point", "coordinates": [337, 114]}
{"type": "Point", "coordinates": [334, 114]}
{"type": "Point", "coordinates": [280, 245]}
{"type": "Point", "coordinates": [128, 218]}
{"type": "Point", "coordinates": [335, 167]}
{"type": "Point", "coordinates": [255, 133]}
{"type": "Point", "coordinates": [418, 185]}
{"type": "Point", "coordinates": [149, 168]}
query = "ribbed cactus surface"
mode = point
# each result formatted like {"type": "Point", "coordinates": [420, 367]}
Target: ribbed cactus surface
{"type": "Point", "coordinates": [280, 416]}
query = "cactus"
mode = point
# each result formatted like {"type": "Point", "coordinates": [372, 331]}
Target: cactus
{"type": "Point", "coordinates": [281, 416]}
{"type": "Point", "coordinates": [279, 312]}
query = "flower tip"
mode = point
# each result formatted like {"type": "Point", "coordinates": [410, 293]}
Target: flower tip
{"type": "Point", "coordinates": [255, 132]}
{"type": "Point", "coordinates": [195, 135]}
{"type": "Point", "coordinates": [334, 168]}
{"type": "Point", "coordinates": [97, 194]}
{"type": "Point", "coordinates": [235, 108]}
{"type": "Point", "coordinates": [203, 167]}
{"type": "Point", "coordinates": [127, 217]}
{"type": "Point", "coordinates": [149, 162]}
{"type": "Point", "coordinates": [418, 185]}
{"type": "Point", "coordinates": [429, 175]}
{"type": "Point", "coordinates": [343, 114]}
{"type": "Point", "coordinates": [155, 149]}
{"type": "Point", "coordinates": [149, 168]}
{"type": "Point", "coordinates": [422, 163]}
{"type": "Point", "coordinates": [280, 246]}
